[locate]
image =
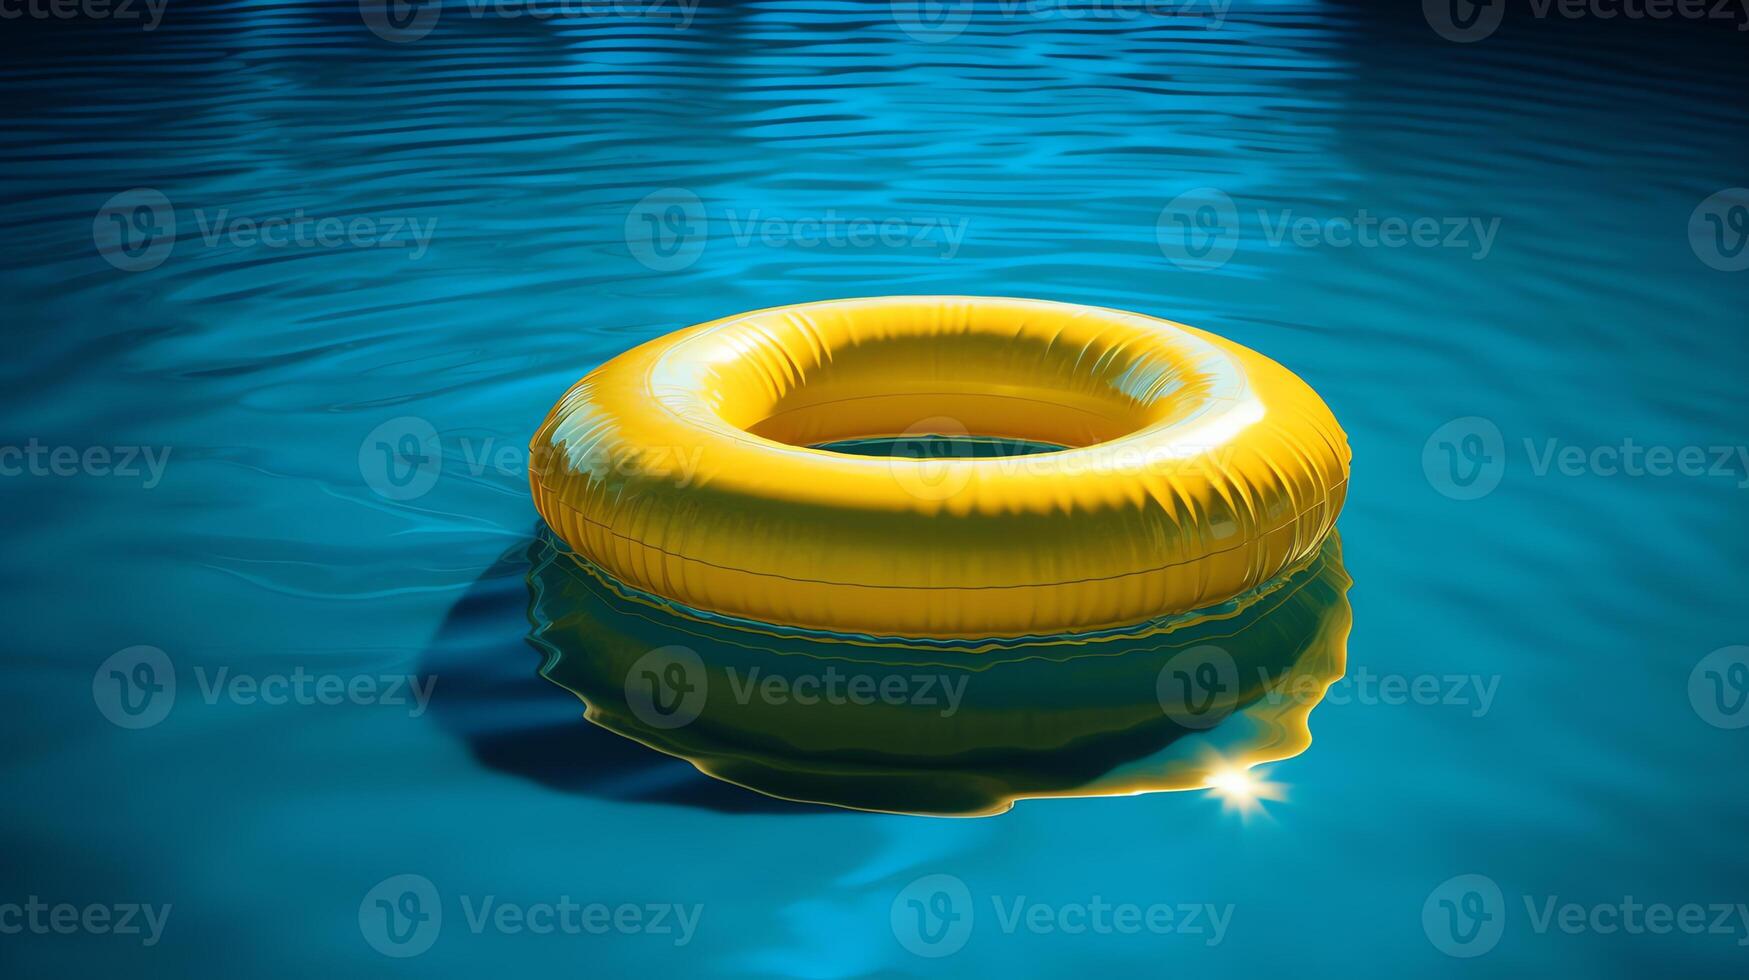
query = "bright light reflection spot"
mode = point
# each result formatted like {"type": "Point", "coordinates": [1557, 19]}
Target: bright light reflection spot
{"type": "Point", "coordinates": [1241, 790]}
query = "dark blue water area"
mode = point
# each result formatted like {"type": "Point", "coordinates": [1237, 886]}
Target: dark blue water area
{"type": "Point", "coordinates": [254, 253]}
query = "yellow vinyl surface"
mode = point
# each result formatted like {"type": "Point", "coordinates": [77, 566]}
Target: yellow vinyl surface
{"type": "Point", "coordinates": [1196, 468]}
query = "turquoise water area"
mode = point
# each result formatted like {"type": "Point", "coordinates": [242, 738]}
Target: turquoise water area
{"type": "Point", "coordinates": [286, 295]}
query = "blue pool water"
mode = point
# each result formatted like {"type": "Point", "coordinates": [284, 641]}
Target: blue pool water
{"type": "Point", "coordinates": [195, 219]}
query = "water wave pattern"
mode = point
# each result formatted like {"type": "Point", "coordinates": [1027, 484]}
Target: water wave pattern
{"type": "Point", "coordinates": [514, 160]}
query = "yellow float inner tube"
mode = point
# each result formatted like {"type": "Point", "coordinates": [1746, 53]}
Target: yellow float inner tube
{"type": "Point", "coordinates": [1194, 469]}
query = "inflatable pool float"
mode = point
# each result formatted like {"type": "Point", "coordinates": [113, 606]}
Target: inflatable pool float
{"type": "Point", "coordinates": [1187, 469]}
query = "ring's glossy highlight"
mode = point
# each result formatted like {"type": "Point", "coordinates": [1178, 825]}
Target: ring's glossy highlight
{"type": "Point", "coordinates": [1194, 468]}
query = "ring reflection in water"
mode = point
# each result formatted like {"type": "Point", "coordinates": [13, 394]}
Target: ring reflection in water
{"type": "Point", "coordinates": [950, 727]}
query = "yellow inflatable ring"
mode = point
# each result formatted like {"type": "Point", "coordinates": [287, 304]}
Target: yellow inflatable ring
{"type": "Point", "coordinates": [1195, 469]}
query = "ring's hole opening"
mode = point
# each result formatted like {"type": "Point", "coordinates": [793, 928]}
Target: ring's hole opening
{"type": "Point", "coordinates": [956, 380]}
{"type": "Point", "coordinates": [992, 409]}
{"type": "Point", "coordinates": [999, 394]}
{"type": "Point", "coordinates": [937, 445]}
